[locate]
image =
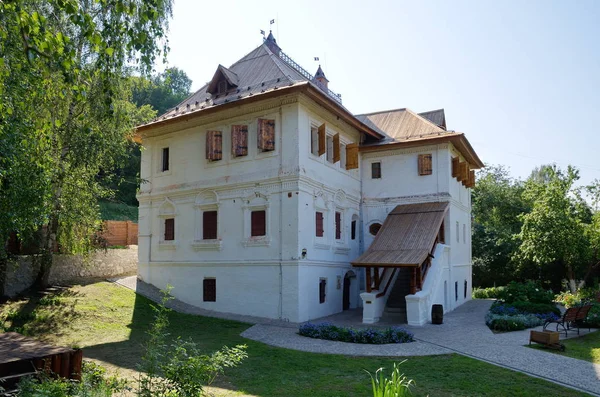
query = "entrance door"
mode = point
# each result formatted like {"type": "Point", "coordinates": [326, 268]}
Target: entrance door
{"type": "Point", "coordinates": [346, 297]}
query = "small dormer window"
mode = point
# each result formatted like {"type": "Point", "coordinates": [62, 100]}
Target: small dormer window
{"type": "Point", "coordinates": [222, 87]}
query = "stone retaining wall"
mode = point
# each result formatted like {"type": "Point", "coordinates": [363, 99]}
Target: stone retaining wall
{"type": "Point", "coordinates": [68, 269]}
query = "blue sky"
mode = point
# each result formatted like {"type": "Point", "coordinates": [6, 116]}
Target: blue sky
{"type": "Point", "coordinates": [520, 78]}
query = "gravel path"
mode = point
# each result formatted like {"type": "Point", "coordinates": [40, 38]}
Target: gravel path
{"type": "Point", "coordinates": [463, 332]}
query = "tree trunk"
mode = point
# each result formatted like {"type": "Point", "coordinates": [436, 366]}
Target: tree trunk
{"type": "Point", "coordinates": [571, 279]}
{"type": "Point", "coordinates": [3, 270]}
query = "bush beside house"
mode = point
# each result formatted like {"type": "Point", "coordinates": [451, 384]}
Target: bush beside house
{"type": "Point", "coordinates": [520, 306]}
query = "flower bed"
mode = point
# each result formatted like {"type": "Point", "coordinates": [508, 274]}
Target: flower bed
{"type": "Point", "coordinates": [521, 306]}
{"type": "Point", "coordinates": [329, 331]}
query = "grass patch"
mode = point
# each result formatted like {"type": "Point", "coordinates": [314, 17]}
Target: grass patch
{"type": "Point", "coordinates": [585, 347]}
{"type": "Point", "coordinates": [110, 323]}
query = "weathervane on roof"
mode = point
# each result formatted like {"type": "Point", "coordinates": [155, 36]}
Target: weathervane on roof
{"type": "Point", "coordinates": [271, 22]}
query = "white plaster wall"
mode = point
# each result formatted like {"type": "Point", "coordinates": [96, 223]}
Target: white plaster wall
{"type": "Point", "coordinates": [242, 288]}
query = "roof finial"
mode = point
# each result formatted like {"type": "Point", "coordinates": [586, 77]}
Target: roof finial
{"type": "Point", "coordinates": [272, 43]}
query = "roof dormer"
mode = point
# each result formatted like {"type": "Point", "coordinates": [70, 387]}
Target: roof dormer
{"type": "Point", "coordinates": [222, 81]}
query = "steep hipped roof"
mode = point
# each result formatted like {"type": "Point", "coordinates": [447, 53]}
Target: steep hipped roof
{"type": "Point", "coordinates": [406, 237]}
{"type": "Point", "coordinates": [257, 72]}
{"type": "Point", "coordinates": [437, 117]}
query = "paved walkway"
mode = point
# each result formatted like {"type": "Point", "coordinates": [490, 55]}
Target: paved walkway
{"type": "Point", "coordinates": [463, 332]}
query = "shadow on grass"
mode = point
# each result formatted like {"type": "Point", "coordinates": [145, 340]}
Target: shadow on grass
{"type": "Point", "coordinates": [41, 313]}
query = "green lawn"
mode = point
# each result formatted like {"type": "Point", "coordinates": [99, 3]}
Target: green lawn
{"type": "Point", "coordinates": [110, 322]}
{"type": "Point", "coordinates": [584, 348]}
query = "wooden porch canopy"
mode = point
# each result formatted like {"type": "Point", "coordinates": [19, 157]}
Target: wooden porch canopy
{"type": "Point", "coordinates": [406, 237]}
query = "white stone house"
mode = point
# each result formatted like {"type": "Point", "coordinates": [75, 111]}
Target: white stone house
{"type": "Point", "coordinates": [263, 194]}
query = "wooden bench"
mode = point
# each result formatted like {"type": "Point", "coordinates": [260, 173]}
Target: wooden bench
{"type": "Point", "coordinates": [572, 318]}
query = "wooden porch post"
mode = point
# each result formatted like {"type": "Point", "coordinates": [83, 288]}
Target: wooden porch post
{"type": "Point", "coordinates": [419, 279]}
{"type": "Point", "coordinates": [413, 281]}
{"type": "Point", "coordinates": [368, 269]}
{"type": "Point", "coordinates": [377, 279]}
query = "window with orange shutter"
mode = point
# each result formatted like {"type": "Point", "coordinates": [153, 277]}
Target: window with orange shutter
{"type": "Point", "coordinates": [214, 145]}
{"type": "Point", "coordinates": [425, 164]}
{"type": "Point", "coordinates": [266, 135]}
{"type": "Point", "coordinates": [352, 156]}
{"type": "Point", "coordinates": [239, 140]}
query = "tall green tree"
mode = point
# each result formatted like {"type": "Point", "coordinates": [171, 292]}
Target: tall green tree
{"type": "Point", "coordinates": [554, 232]}
{"type": "Point", "coordinates": [73, 55]}
{"type": "Point", "coordinates": [158, 92]}
{"type": "Point", "coordinates": [497, 202]}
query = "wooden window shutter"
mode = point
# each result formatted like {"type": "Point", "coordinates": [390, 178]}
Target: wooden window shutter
{"type": "Point", "coordinates": [352, 156]}
{"type": "Point", "coordinates": [169, 229]}
{"type": "Point", "coordinates": [266, 135]}
{"type": "Point", "coordinates": [459, 175]}
{"type": "Point", "coordinates": [338, 225]}
{"type": "Point", "coordinates": [425, 164]}
{"type": "Point", "coordinates": [471, 180]}
{"type": "Point", "coordinates": [214, 145]}
{"type": "Point", "coordinates": [322, 290]}
{"type": "Point", "coordinates": [319, 224]}
{"type": "Point", "coordinates": [209, 289]}
{"type": "Point", "coordinates": [258, 223]}
{"type": "Point", "coordinates": [322, 137]}
{"type": "Point", "coordinates": [239, 140]}
{"type": "Point", "coordinates": [455, 167]}
{"type": "Point", "coordinates": [165, 159]}
{"type": "Point", "coordinates": [464, 173]}
{"type": "Point", "coordinates": [209, 225]}
{"type": "Point", "coordinates": [336, 148]}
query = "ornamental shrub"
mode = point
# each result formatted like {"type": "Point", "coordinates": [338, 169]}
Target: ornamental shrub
{"type": "Point", "coordinates": [329, 331]}
{"type": "Point", "coordinates": [487, 293]}
{"type": "Point", "coordinates": [529, 291]}
{"type": "Point", "coordinates": [533, 308]}
{"type": "Point", "coordinates": [500, 322]}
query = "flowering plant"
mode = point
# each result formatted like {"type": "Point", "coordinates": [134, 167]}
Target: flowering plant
{"type": "Point", "coordinates": [367, 335]}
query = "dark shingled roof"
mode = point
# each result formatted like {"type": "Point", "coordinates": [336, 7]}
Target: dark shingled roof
{"type": "Point", "coordinates": [257, 72]}
{"type": "Point", "coordinates": [437, 117]}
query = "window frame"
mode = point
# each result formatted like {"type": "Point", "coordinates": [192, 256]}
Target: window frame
{"type": "Point", "coordinates": [256, 202]}
{"type": "Point", "coordinates": [322, 290]}
{"type": "Point", "coordinates": [254, 218]}
{"type": "Point", "coordinates": [376, 165]}
{"type": "Point", "coordinates": [206, 297]}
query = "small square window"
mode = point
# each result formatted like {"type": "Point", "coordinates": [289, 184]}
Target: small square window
{"type": "Point", "coordinates": [165, 159]}
{"type": "Point", "coordinates": [222, 87]}
{"type": "Point", "coordinates": [258, 220]}
{"type": "Point", "coordinates": [376, 170]}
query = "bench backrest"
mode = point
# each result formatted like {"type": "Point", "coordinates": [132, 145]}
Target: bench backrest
{"type": "Point", "coordinates": [583, 311]}
{"type": "Point", "coordinates": [571, 314]}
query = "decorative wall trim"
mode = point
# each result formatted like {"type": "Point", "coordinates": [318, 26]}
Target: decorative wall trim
{"type": "Point", "coordinates": [396, 152]}
{"type": "Point", "coordinates": [207, 245]}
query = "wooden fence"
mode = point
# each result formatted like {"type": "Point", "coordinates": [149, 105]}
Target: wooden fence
{"type": "Point", "coordinates": [114, 233]}
{"type": "Point", "coordinates": [120, 233]}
